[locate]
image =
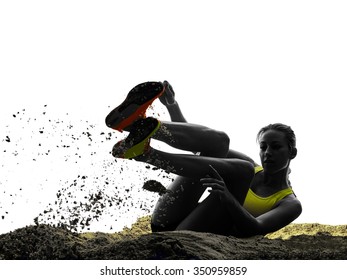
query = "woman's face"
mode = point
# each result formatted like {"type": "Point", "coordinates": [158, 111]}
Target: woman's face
{"type": "Point", "coordinates": [275, 154]}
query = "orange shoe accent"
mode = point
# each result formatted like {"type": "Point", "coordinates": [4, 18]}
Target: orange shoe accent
{"type": "Point", "coordinates": [131, 108]}
{"type": "Point", "coordinates": [139, 113]}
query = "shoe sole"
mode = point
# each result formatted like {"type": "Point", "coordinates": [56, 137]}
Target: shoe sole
{"type": "Point", "coordinates": [129, 111]}
{"type": "Point", "coordinates": [139, 148]}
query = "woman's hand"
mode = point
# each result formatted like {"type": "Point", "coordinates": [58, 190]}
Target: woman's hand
{"type": "Point", "coordinates": [218, 187]}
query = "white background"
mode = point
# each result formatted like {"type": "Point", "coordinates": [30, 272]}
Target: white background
{"type": "Point", "coordinates": [234, 65]}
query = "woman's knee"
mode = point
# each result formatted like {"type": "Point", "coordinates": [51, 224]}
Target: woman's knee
{"type": "Point", "coordinates": [224, 142]}
{"type": "Point", "coordinates": [218, 142]}
{"type": "Point", "coordinates": [243, 170]}
{"type": "Point", "coordinates": [239, 177]}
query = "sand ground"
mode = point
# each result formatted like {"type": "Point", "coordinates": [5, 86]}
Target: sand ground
{"type": "Point", "coordinates": [296, 241]}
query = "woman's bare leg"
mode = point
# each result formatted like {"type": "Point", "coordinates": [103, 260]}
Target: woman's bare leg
{"type": "Point", "coordinates": [209, 216]}
{"type": "Point", "coordinates": [194, 138]}
{"type": "Point", "coordinates": [180, 202]}
{"type": "Point", "coordinates": [234, 171]}
{"type": "Point", "coordinates": [184, 193]}
{"type": "Point", "coordinates": [186, 190]}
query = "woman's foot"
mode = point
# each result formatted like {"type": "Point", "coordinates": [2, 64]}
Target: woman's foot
{"type": "Point", "coordinates": [135, 105]}
{"type": "Point", "coordinates": [137, 142]}
{"type": "Point", "coordinates": [168, 97]}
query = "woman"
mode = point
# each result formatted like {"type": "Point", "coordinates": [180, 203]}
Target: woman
{"type": "Point", "coordinates": [245, 199]}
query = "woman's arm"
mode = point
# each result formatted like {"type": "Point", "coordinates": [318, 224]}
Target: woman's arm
{"type": "Point", "coordinates": [280, 216]}
{"type": "Point", "coordinates": [287, 210]}
{"type": "Point", "coordinates": [284, 213]}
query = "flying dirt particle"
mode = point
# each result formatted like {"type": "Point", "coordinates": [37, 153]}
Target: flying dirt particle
{"type": "Point", "coordinates": [154, 186]}
{"type": "Point", "coordinates": [81, 202]}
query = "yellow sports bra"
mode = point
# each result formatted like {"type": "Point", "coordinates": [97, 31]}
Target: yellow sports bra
{"type": "Point", "coordinates": [257, 205]}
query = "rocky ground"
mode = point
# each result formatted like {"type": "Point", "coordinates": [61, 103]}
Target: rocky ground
{"type": "Point", "coordinates": [296, 241]}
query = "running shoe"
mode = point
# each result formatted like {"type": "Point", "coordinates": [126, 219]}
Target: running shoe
{"type": "Point", "coordinates": [137, 142]}
{"type": "Point", "coordinates": [135, 105]}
